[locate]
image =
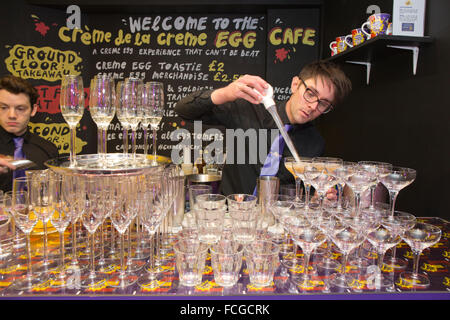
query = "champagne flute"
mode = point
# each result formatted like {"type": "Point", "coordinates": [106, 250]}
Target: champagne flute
{"type": "Point", "coordinates": [60, 219]}
{"type": "Point", "coordinates": [102, 107]}
{"type": "Point", "coordinates": [92, 204]}
{"type": "Point", "coordinates": [419, 237]}
{"type": "Point", "coordinates": [18, 238]}
{"type": "Point", "coordinates": [125, 195]}
{"type": "Point", "coordinates": [122, 115]}
{"type": "Point", "coordinates": [26, 220]}
{"type": "Point", "coordinates": [72, 194]}
{"type": "Point", "coordinates": [72, 107]}
{"type": "Point", "coordinates": [41, 199]}
{"type": "Point", "coordinates": [132, 101]}
{"type": "Point", "coordinates": [155, 95]}
{"type": "Point", "coordinates": [395, 180]}
{"type": "Point", "coordinates": [151, 216]}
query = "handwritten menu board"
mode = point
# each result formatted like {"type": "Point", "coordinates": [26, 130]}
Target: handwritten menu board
{"type": "Point", "coordinates": [187, 52]}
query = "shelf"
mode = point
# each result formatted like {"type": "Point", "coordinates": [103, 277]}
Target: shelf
{"type": "Point", "coordinates": [379, 48]}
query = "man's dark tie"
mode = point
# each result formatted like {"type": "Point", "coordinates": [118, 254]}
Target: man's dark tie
{"type": "Point", "coordinates": [272, 163]}
{"type": "Point", "coordinates": [18, 154]}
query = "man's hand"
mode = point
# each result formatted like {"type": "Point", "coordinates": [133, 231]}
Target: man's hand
{"type": "Point", "coordinates": [331, 194]}
{"type": "Point", "coordinates": [5, 166]}
{"type": "Point", "coordinates": [241, 88]}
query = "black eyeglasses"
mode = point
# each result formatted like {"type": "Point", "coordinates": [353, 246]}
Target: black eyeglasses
{"type": "Point", "coordinates": [310, 96]}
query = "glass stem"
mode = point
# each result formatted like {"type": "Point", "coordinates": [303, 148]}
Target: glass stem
{"type": "Point", "coordinates": [104, 133]}
{"type": "Point", "coordinates": [321, 198]}
{"type": "Point", "coordinates": [102, 243]}
{"type": "Point", "coordinates": [74, 243]}
{"type": "Point", "coordinates": [92, 273]}
{"type": "Point", "coordinates": [145, 142]}
{"type": "Point", "coordinates": [393, 196]}
{"type": "Point", "coordinates": [357, 203]}
{"type": "Point", "coordinates": [305, 266]}
{"type": "Point", "coordinates": [122, 253]}
{"type": "Point", "coordinates": [380, 261]}
{"type": "Point", "coordinates": [307, 190]}
{"type": "Point", "coordinates": [72, 147]}
{"type": "Point", "coordinates": [344, 263]}
{"type": "Point", "coordinates": [298, 183]}
{"type": "Point", "coordinates": [129, 246]}
{"type": "Point", "coordinates": [29, 270]}
{"type": "Point", "coordinates": [125, 141]}
{"type": "Point", "coordinates": [416, 256]}
{"type": "Point", "coordinates": [152, 254]}
{"type": "Point", "coordinates": [154, 144]}
{"type": "Point", "coordinates": [133, 142]}
{"type": "Point", "coordinates": [44, 222]}
{"type": "Point", "coordinates": [99, 141]}
{"type": "Point", "coordinates": [372, 197]}
{"type": "Point", "coordinates": [61, 252]}
{"type": "Point", "coordinates": [340, 195]}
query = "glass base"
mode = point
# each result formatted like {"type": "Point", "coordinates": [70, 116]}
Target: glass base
{"type": "Point", "coordinates": [108, 266]}
{"type": "Point", "coordinates": [28, 284]}
{"type": "Point", "coordinates": [77, 266]}
{"type": "Point", "coordinates": [149, 281]}
{"type": "Point", "coordinates": [45, 266]}
{"type": "Point", "coordinates": [395, 263]}
{"type": "Point", "coordinates": [156, 269]}
{"type": "Point", "coordinates": [93, 281]}
{"type": "Point", "coordinates": [341, 280]}
{"type": "Point", "coordinates": [328, 264]}
{"type": "Point", "coordinates": [141, 254]}
{"type": "Point", "coordinates": [415, 280]}
{"type": "Point", "coordinates": [304, 283]}
{"type": "Point", "coordinates": [361, 263]}
{"type": "Point", "coordinates": [123, 280]}
{"type": "Point", "coordinates": [134, 265]}
{"type": "Point", "coordinates": [379, 282]}
{"type": "Point", "coordinates": [63, 281]}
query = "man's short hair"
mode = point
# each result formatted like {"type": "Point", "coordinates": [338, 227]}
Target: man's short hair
{"type": "Point", "coordinates": [332, 72]}
{"type": "Point", "coordinates": [18, 85]}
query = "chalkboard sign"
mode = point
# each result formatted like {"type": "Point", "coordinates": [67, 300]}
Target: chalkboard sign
{"type": "Point", "coordinates": [187, 52]}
